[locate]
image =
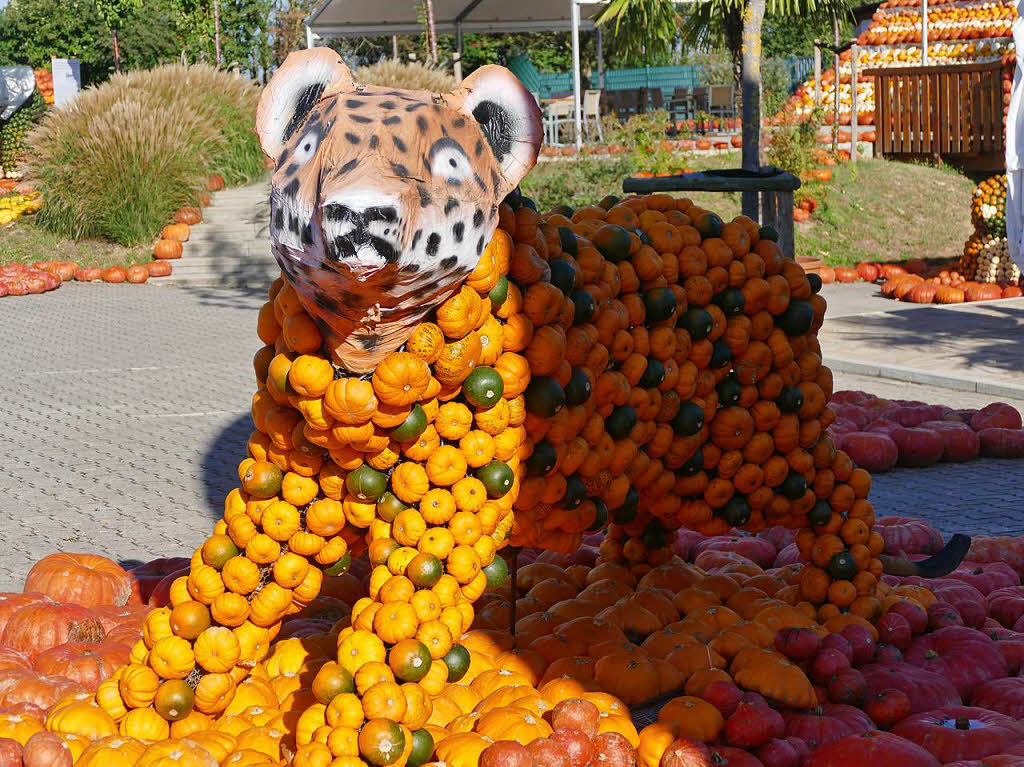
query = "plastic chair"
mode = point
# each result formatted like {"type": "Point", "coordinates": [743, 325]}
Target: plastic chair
{"type": "Point", "coordinates": [721, 104]}
{"type": "Point", "coordinates": [557, 114]}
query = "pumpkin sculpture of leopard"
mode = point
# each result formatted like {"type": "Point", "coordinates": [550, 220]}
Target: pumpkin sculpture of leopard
{"type": "Point", "coordinates": [383, 200]}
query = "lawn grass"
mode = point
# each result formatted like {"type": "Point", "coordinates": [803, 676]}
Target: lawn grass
{"type": "Point", "coordinates": [874, 210]}
{"type": "Point", "coordinates": [24, 242]}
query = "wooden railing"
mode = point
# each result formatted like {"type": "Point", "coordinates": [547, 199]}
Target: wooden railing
{"type": "Point", "coordinates": [939, 111]}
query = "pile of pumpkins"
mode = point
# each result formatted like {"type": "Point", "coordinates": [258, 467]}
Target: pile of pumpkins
{"type": "Point", "coordinates": [14, 206]}
{"type": "Point", "coordinates": [986, 256]}
{"type": "Point", "coordinates": [174, 236]}
{"type": "Point", "coordinates": [879, 434]}
{"type": "Point", "coordinates": [626, 369]}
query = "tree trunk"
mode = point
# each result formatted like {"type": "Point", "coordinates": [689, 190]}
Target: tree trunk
{"type": "Point", "coordinates": [216, 32]}
{"type": "Point", "coordinates": [733, 30]}
{"type": "Point", "coordinates": [753, 17]}
{"type": "Point", "coordinates": [432, 31]}
{"type": "Point", "coordinates": [117, 50]}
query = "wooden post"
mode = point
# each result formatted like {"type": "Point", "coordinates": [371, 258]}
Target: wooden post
{"type": "Point", "coordinates": [853, 103]}
{"type": "Point", "coordinates": [924, 33]}
{"type": "Point", "coordinates": [787, 240]}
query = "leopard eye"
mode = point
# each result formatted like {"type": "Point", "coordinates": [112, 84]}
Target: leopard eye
{"type": "Point", "coordinates": [306, 147]}
{"type": "Point", "coordinates": [449, 161]}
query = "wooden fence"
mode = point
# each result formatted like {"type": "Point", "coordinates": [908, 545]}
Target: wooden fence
{"type": "Point", "coordinates": [942, 112]}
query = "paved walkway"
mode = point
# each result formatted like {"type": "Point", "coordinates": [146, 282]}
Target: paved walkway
{"type": "Point", "coordinates": [125, 413]}
{"type": "Point", "coordinates": [972, 347]}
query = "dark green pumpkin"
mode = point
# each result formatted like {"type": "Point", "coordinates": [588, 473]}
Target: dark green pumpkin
{"type": "Point", "coordinates": [730, 301]}
{"type": "Point", "coordinates": [697, 322]}
{"type": "Point", "coordinates": [542, 461]}
{"type": "Point", "coordinates": [797, 319]}
{"type": "Point", "coordinates": [689, 420]}
{"type": "Point", "coordinates": [729, 391]}
{"type": "Point", "coordinates": [653, 375]}
{"type": "Point", "coordinates": [793, 486]}
{"type": "Point", "coordinates": [575, 492]}
{"type": "Point", "coordinates": [544, 397]}
{"type": "Point", "coordinates": [563, 276]}
{"type": "Point", "coordinates": [736, 511]}
{"type": "Point", "coordinates": [620, 422]}
{"type": "Point", "coordinates": [579, 388]}
{"type": "Point", "coordinates": [585, 307]}
{"type": "Point", "coordinates": [790, 399]}
{"type": "Point", "coordinates": [600, 516]}
{"type": "Point", "coordinates": [721, 354]}
{"type": "Point", "coordinates": [414, 425]}
{"type": "Point", "coordinates": [842, 566]}
{"type": "Point", "coordinates": [659, 303]}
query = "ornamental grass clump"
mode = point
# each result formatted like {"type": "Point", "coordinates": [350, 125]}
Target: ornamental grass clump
{"type": "Point", "coordinates": [413, 75]}
{"type": "Point", "coordinates": [118, 162]}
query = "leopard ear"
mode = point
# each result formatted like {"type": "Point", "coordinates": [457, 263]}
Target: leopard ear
{"type": "Point", "coordinates": [507, 114]}
{"type": "Point", "coordinates": [304, 78]}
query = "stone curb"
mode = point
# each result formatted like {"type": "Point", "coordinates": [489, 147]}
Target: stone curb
{"type": "Point", "coordinates": [927, 377]}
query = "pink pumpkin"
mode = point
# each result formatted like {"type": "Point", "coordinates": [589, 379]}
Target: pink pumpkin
{"type": "Point", "coordinates": [874, 452]}
{"type": "Point", "coordinates": [998, 415]}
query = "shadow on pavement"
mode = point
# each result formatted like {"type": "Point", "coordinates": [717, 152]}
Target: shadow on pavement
{"type": "Point", "coordinates": [220, 464]}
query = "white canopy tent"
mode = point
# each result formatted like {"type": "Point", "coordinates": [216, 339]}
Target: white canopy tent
{"type": "Point", "coordinates": [365, 18]}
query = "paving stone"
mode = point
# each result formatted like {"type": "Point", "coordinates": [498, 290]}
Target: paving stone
{"type": "Point", "coordinates": [125, 413]}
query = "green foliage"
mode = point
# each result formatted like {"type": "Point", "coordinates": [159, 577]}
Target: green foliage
{"type": "Point", "coordinates": [794, 143]}
{"type": "Point", "coordinates": [119, 161]}
{"type": "Point", "coordinates": [775, 85]}
{"type": "Point", "coordinates": [642, 134]}
{"type": "Point", "coordinates": [642, 30]}
{"type": "Point", "coordinates": [794, 35]}
{"type": "Point", "coordinates": [150, 33]}
{"type": "Point", "coordinates": [31, 31]}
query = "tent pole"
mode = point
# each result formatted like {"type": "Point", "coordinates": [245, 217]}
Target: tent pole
{"type": "Point", "coordinates": [309, 36]}
{"type": "Point", "coordinates": [458, 51]}
{"type": "Point", "coordinates": [924, 33]}
{"type": "Point", "coordinates": [574, 13]}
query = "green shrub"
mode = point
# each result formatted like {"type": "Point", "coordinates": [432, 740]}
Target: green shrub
{"type": "Point", "coordinates": [124, 156]}
{"type": "Point", "coordinates": [389, 73]}
{"type": "Point", "coordinates": [793, 143]}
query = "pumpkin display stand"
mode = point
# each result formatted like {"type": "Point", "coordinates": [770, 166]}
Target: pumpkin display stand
{"type": "Point", "coordinates": [617, 374]}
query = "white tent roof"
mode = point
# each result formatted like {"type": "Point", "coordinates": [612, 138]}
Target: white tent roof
{"type": "Point", "coordinates": [352, 18]}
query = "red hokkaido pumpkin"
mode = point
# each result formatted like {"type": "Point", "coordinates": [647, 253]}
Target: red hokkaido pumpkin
{"type": "Point", "coordinates": [873, 451]}
{"type": "Point", "coordinates": [1002, 443]}
{"type": "Point", "coordinates": [906, 534]}
{"type": "Point", "coordinates": [888, 707]}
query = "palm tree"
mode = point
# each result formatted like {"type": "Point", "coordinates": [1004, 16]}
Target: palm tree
{"type": "Point", "coordinates": [735, 23]}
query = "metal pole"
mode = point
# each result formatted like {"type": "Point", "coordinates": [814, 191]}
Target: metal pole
{"type": "Point", "coordinates": [309, 36]}
{"type": "Point", "coordinates": [458, 51]}
{"type": "Point", "coordinates": [853, 103]}
{"type": "Point", "coordinates": [394, 47]}
{"type": "Point", "coordinates": [924, 33]}
{"type": "Point", "coordinates": [574, 12]}
{"type": "Point", "coordinates": [817, 76]}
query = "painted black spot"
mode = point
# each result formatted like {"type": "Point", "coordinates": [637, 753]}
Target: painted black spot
{"type": "Point", "coordinates": [496, 124]}
{"type": "Point", "coordinates": [495, 180]}
{"type": "Point", "coordinates": [411, 268]}
{"type": "Point", "coordinates": [458, 230]}
{"type": "Point", "coordinates": [303, 106]}
{"type": "Point", "coordinates": [292, 169]}
{"type": "Point", "coordinates": [368, 340]}
{"type": "Point", "coordinates": [291, 187]}
{"type": "Point", "coordinates": [433, 243]}
{"type": "Point", "coordinates": [325, 302]}
{"type": "Point", "coordinates": [459, 122]}
{"type": "Point", "coordinates": [421, 123]}
{"type": "Point", "coordinates": [281, 160]}
{"type": "Point", "coordinates": [307, 235]}
{"type": "Point", "coordinates": [352, 138]}
{"type": "Point", "coordinates": [448, 263]}
{"type": "Point", "coordinates": [399, 170]}
{"type": "Point", "coordinates": [293, 224]}
{"type": "Point", "coordinates": [361, 119]}
{"type": "Point", "coordinates": [413, 107]}
{"type": "Point", "coordinates": [384, 213]}
{"type": "Point", "coordinates": [387, 105]}
{"type": "Point", "coordinates": [480, 246]}
{"type": "Point", "coordinates": [479, 148]}
{"type": "Point", "coordinates": [347, 167]}
{"type": "Point", "coordinates": [393, 120]}
{"type": "Point", "coordinates": [425, 198]}
{"type": "Point", "coordinates": [399, 144]}
{"type": "Point", "coordinates": [354, 103]}
{"type": "Point", "coordinates": [478, 218]}
{"type": "Point", "coordinates": [374, 141]}
{"type": "Point", "coordinates": [278, 220]}
{"type": "Point", "coordinates": [415, 239]}
{"type": "Point", "coordinates": [451, 205]}
{"type": "Point", "coordinates": [479, 182]}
